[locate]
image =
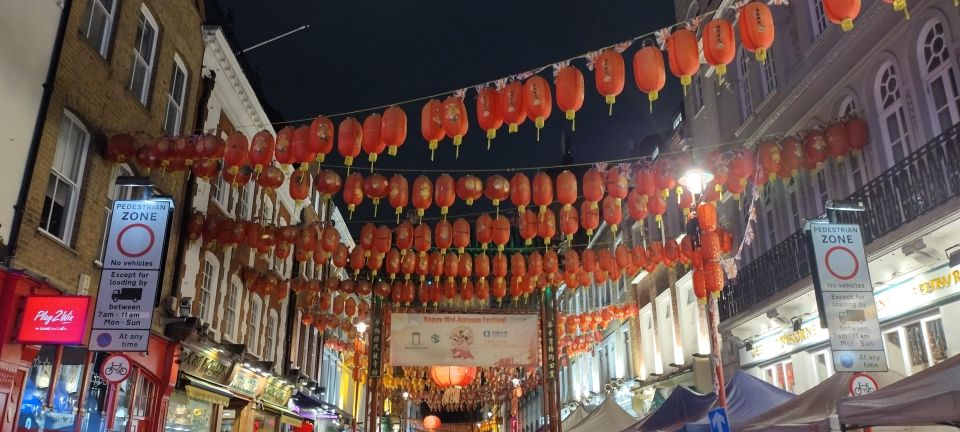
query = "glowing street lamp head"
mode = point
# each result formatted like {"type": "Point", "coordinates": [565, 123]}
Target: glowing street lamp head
{"type": "Point", "coordinates": [361, 327]}
{"type": "Point", "coordinates": [695, 180]}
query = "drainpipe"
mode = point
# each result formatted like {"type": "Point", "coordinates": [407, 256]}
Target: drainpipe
{"type": "Point", "coordinates": [52, 69]}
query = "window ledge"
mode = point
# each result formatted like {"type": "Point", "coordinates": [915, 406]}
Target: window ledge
{"type": "Point", "coordinates": [56, 240]}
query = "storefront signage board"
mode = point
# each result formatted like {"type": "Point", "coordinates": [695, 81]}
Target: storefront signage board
{"type": "Point", "coordinates": [463, 340]}
{"type": "Point", "coordinates": [247, 382]}
{"type": "Point", "coordinates": [132, 271]}
{"type": "Point", "coordinates": [277, 392]}
{"type": "Point", "coordinates": [845, 297]}
{"type": "Point", "coordinates": [60, 320]}
{"type": "Point", "coordinates": [210, 366]}
{"type": "Point", "coordinates": [375, 361]}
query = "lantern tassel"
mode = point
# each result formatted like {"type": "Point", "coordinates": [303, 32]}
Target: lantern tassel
{"type": "Point", "coordinates": [375, 206]}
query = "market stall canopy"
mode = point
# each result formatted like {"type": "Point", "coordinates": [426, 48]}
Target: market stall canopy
{"type": "Point", "coordinates": [574, 418]}
{"type": "Point", "coordinates": [747, 397]}
{"type": "Point", "coordinates": [928, 398]}
{"type": "Point", "coordinates": [682, 406]}
{"type": "Point", "coordinates": [608, 416]}
{"type": "Point", "coordinates": [813, 409]}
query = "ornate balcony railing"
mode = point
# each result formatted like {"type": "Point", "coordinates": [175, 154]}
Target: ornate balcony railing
{"type": "Point", "coordinates": [920, 182]}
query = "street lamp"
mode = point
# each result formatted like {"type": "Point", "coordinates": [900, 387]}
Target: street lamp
{"type": "Point", "coordinates": [406, 395]}
{"type": "Point", "coordinates": [695, 180]}
{"type": "Point", "coordinates": [361, 327]}
{"type": "Point", "coordinates": [515, 381]}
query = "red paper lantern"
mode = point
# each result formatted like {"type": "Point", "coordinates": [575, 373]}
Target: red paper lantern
{"type": "Point", "coordinates": [569, 222]}
{"type": "Point", "coordinates": [349, 140]}
{"type": "Point", "coordinates": [593, 186]}
{"type": "Point", "coordinates": [837, 140]}
{"type": "Point", "coordinates": [422, 239]}
{"type": "Point", "coordinates": [394, 129]}
{"type": "Point", "coordinates": [399, 194]}
{"type": "Point", "coordinates": [443, 235]}
{"type": "Point", "coordinates": [455, 124]}
{"type": "Point", "coordinates": [469, 188]}
{"type": "Point", "coordinates": [770, 155]}
{"type": "Point", "coordinates": [431, 422]}
{"type": "Point", "coordinates": [299, 186]}
{"type": "Point", "coordinates": [857, 136]}
{"type": "Point", "coordinates": [520, 191]}
{"type": "Point", "coordinates": [791, 154]}
{"type": "Point", "coordinates": [431, 124]}
{"type": "Point", "coordinates": [700, 285]}
{"type": "Point", "coordinates": [372, 142]}
{"type": "Point", "coordinates": [528, 226]}
{"type": "Point", "coordinates": [405, 234]}
{"type": "Point", "coordinates": [842, 12]}
{"type": "Point", "coordinates": [547, 228]}
{"type": "Point", "coordinates": [489, 112]}
{"type": "Point", "coordinates": [657, 206]}
{"type": "Point", "coordinates": [537, 101]}
{"type": "Point", "coordinates": [649, 73]}
{"type": "Point", "coordinates": [321, 137]}
{"type": "Point", "coordinates": [444, 192]}
{"type": "Point", "coordinates": [121, 148]}
{"type": "Point", "coordinates": [612, 212]}
{"type": "Point", "coordinates": [501, 232]}
{"type": "Point", "coordinates": [353, 192]}
{"type": "Point", "coordinates": [483, 229]}
{"type": "Point", "coordinates": [235, 153]}
{"type": "Point", "coordinates": [512, 103]}
{"type": "Point", "coordinates": [566, 188]}
{"type": "Point", "coordinates": [683, 52]}
{"type": "Point", "coordinates": [542, 191]}
{"type": "Point", "coordinates": [815, 147]}
{"type": "Point", "coordinates": [461, 234]}
{"type": "Point", "coordinates": [569, 83]}
{"type": "Point", "coordinates": [756, 29]}
{"type": "Point", "coordinates": [376, 187]}
{"type": "Point", "coordinates": [496, 189]}
{"type": "Point", "coordinates": [261, 150]}
{"type": "Point", "coordinates": [719, 46]}
{"type": "Point", "coordinates": [328, 183]}
{"type": "Point", "coordinates": [608, 75]}
{"type": "Point", "coordinates": [707, 216]}
{"type": "Point", "coordinates": [302, 152]}
{"type": "Point", "coordinates": [481, 265]}
{"type": "Point", "coordinates": [422, 194]}
{"type": "Point", "coordinates": [589, 217]}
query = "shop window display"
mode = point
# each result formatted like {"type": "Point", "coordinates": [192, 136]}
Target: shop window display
{"type": "Point", "coordinates": [36, 389]}
{"type": "Point", "coordinates": [264, 422]}
{"type": "Point", "coordinates": [916, 346]}
{"type": "Point", "coordinates": [187, 415]}
{"type": "Point", "coordinates": [781, 375]}
{"type": "Point", "coordinates": [95, 404]}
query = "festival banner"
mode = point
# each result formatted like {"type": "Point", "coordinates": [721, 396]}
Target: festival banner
{"type": "Point", "coordinates": [463, 340]}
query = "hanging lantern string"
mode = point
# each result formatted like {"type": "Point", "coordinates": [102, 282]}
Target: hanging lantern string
{"type": "Point", "coordinates": [547, 167]}
{"type": "Point", "coordinates": [485, 84]}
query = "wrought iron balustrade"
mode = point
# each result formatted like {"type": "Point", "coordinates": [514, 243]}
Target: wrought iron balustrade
{"type": "Point", "coordinates": [920, 182]}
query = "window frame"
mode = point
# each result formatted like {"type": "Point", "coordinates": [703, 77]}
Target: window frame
{"type": "Point", "coordinates": [253, 329]}
{"type": "Point", "coordinates": [69, 219]}
{"type": "Point", "coordinates": [228, 328]}
{"type": "Point", "coordinates": [270, 335]}
{"type": "Point", "coordinates": [747, 105]}
{"type": "Point", "coordinates": [947, 70]}
{"type": "Point", "coordinates": [108, 23]}
{"type": "Point", "coordinates": [211, 274]}
{"type": "Point", "coordinates": [145, 18]}
{"type": "Point", "coordinates": [768, 75]}
{"type": "Point", "coordinates": [818, 18]}
{"type": "Point", "coordinates": [897, 108]}
{"type": "Point", "coordinates": [180, 106]}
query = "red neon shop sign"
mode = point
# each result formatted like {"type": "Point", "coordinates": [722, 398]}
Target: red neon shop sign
{"type": "Point", "coordinates": [54, 320]}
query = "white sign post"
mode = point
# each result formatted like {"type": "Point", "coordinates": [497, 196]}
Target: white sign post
{"type": "Point", "coordinates": [846, 298]}
{"type": "Point", "coordinates": [132, 268]}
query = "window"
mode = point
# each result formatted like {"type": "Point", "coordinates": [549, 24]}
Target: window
{"type": "Point", "coordinates": [768, 74]}
{"type": "Point", "coordinates": [66, 174]}
{"type": "Point", "coordinates": [940, 75]}
{"type": "Point", "coordinates": [242, 208]}
{"type": "Point", "coordinates": [818, 18]}
{"type": "Point", "coordinates": [916, 346]}
{"type": "Point", "coordinates": [175, 97]}
{"type": "Point", "coordinates": [794, 203]}
{"type": "Point", "coordinates": [697, 94]}
{"type": "Point", "coordinates": [253, 331]}
{"type": "Point", "coordinates": [207, 286]}
{"type": "Point", "coordinates": [822, 365]}
{"type": "Point", "coordinates": [769, 221]}
{"type": "Point", "coordinates": [892, 113]}
{"type": "Point", "coordinates": [115, 193]}
{"type": "Point", "coordinates": [271, 335]}
{"type": "Point", "coordinates": [781, 375]}
{"type": "Point", "coordinates": [144, 48]}
{"type": "Point", "coordinates": [230, 308]}
{"type": "Point", "coordinates": [743, 82]}
{"type": "Point", "coordinates": [220, 191]}
{"type": "Point", "coordinates": [823, 194]}
{"type": "Point", "coordinates": [267, 216]}
{"type": "Point", "coordinates": [99, 24]}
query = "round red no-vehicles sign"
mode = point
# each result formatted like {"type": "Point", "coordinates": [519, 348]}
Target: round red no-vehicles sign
{"type": "Point", "coordinates": [842, 263]}
{"type": "Point", "coordinates": [115, 368]}
{"type": "Point", "coordinates": [135, 240]}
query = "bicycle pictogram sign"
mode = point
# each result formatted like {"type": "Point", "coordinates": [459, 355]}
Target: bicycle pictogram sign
{"type": "Point", "coordinates": [115, 368]}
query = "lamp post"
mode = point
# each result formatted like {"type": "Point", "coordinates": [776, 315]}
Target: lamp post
{"type": "Point", "coordinates": [361, 329]}
{"type": "Point", "coordinates": [695, 180]}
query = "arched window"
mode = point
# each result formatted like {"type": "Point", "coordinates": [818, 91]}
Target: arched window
{"type": "Point", "coordinates": [743, 83]}
{"type": "Point", "coordinates": [267, 216]}
{"type": "Point", "coordinates": [253, 329]}
{"type": "Point", "coordinates": [940, 75]}
{"type": "Point", "coordinates": [892, 112]}
{"type": "Point", "coordinates": [855, 163]}
{"type": "Point", "coordinates": [208, 286]}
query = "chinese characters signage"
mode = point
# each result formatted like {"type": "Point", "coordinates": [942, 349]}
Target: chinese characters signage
{"type": "Point", "coordinates": [463, 340]}
{"type": "Point", "coordinates": [209, 366]}
{"type": "Point", "coordinates": [277, 392]}
{"type": "Point", "coordinates": [247, 382]}
{"type": "Point", "coordinates": [54, 320]}
{"type": "Point", "coordinates": [550, 337]}
{"type": "Point", "coordinates": [376, 338]}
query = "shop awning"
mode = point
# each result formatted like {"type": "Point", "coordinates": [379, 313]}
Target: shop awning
{"type": "Point", "coordinates": [575, 417]}
{"type": "Point", "coordinates": [286, 416]}
{"type": "Point", "coordinates": [206, 391]}
{"type": "Point", "coordinates": [747, 397]}
{"type": "Point", "coordinates": [682, 406]}
{"type": "Point", "coordinates": [607, 417]}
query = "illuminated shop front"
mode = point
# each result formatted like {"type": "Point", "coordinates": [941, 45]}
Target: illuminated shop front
{"type": "Point", "coordinates": [920, 320]}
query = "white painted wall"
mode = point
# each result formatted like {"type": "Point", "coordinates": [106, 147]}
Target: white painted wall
{"type": "Point", "coordinates": [28, 29]}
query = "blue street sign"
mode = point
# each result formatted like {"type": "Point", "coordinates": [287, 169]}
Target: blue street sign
{"type": "Point", "coordinates": [718, 420]}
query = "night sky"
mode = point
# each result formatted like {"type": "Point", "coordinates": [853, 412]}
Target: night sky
{"type": "Point", "coordinates": [357, 55]}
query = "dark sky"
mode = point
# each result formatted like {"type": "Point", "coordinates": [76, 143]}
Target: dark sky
{"type": "Point", "coordinates": [359, 54]}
